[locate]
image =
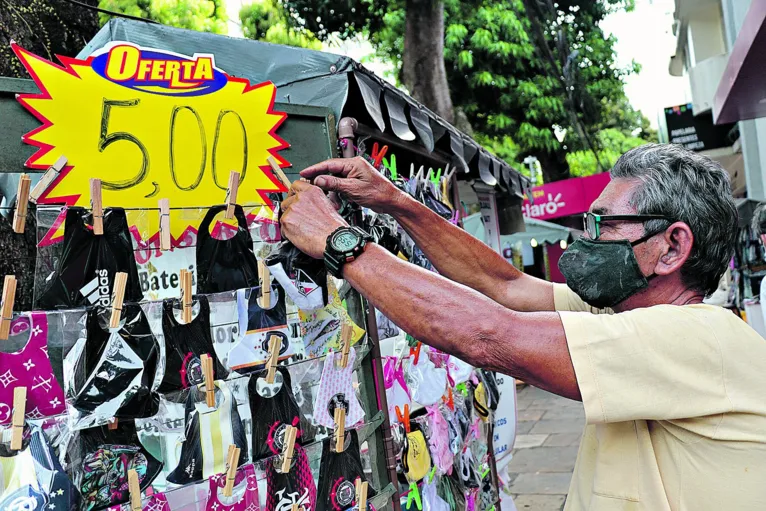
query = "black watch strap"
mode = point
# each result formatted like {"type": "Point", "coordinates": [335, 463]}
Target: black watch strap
{"type": "Point", "coordinates": [334, 259]}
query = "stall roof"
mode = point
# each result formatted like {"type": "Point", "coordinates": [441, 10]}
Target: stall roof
{"type": "Point", "coordinates": [311, 77]}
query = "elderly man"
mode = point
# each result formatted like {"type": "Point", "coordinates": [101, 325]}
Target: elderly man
{"type": "Point", "coordinates": [674, 390]}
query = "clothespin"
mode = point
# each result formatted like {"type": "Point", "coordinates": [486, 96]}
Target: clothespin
{"type": "Point", "coordinates": [275, 343]}
{"type": "Point", "coordinates": [346, 333]}
{"type": "Point", "coordinates": [450, 399]}
{"type": "Point", "coordinates": [231, 471]}
{"type": "Point", "coordinates": [165, 224]}
{"type": "Point", "coordinates": [391, 166]}
{"type": "Point", "coordinates": [45, 182]}
{"type": "Point", "coordinates": [112, 424]}
{"type": "Point", "coordinates": [295, 507]}
{"type": "Point", "coordinates": [207, 373]}
{"type": "Point", "coordinates": [377, 155]}
{"type": "Point", "coordinates": [416, 351]}
{"type": "Point", "coordinates": [278, 173]}
{"type": "Point", "coordinates": [361, 494]}
{"type": "Point", "coordinates": [264, 276]}
{"type": "Point", "coordinates": [6, 306]}
{"type": "Point", "coordinates": [186, 296]}
{"type": "Point", "coordinates": [135, 490]}
{"type": "Point", "coordinates": [118, 295]}
{"type": "Point", "coordinates": [17, 422]}
{"type": "Point", "coordinates": [340, 428]}
{"type": "Point", "coordinates": [449, 173]}
{"type": "Point", "coordinates": [432, 474]}
{"type": "Point", "coordinates": [231, 194]}
{"type": "Point", "coordinates": [289, 445]}
{"type": "Point", "coordinates": [414, 493]}
{"type": "Point", "coordinates": [412, 170]}
{"type": "Point", "coordinates": [22, 204]}
{"type": "Point", "coordinates": [436, 177]}
{"type": "Point", "coordinates": [404, 418]}
{"type": "Point", "coordinates": [429, 174]}
{"type": "Point", "coordinates": [96, 206]}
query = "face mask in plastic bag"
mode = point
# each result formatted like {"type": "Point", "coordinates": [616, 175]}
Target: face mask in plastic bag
{"type": "Point", "coordinates": [100, 461]}
{"type": "Point", "coordinates": [491, 387]}
{"type": "Point", "coordinates": [431, 499]}
{"type": "Point", "coordinates": [335, 389]}
{"type": "Point", "coordinates": [416, 460]}
{"type": "Point", "coordinates": [30, 367]}
{"type": "Point", "coordinates": [113, 370]}
{"type": "Point", "coordinates": [185, 344]}
{"type": "Point", "coordinates": [467, 469]}
{"type": "Point", "coordinates": [209, 433]}
{"type": "Point", "coordinates": [225, 264]}
{"type": "Point", "coordinates": [459, 371]}
{"type": "Point", "coordinates": [244, 494]}
{"type": "Point", "coordinates": [273, 408]}
{"type": "Point", "coordinates": [88, 263]}
{"type": "Point", "coordinates": [450, 490]}
{"type": "Point", "coordinates": [32, 478]}
{"type": "Point", "coordinates": [321, 328]}
{"type": "Point", "coordinates": [297, 486]}
{"type": "Point", "coordinates": [439, 439]}
{"type": "Point", "coordinates": [386, 327]}
{"type": "Point", "coordinates": [256, 326]}
{"type": "Point", "coordinates": [425, 381]}
{"type": "Point", "coordinates": [397, 393]}
{"type": "Point", "coordinates": [338, 472]}
{"type": "Point", "coordinates": [303, 278]}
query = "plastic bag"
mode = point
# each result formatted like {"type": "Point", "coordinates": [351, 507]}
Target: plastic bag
{"type": "Point", "coordinates": [335, 389]}
{"type": "Point", "coordinates": [225, 264]}
{"type": "Point", "coordinates": [426, 382]}
{"type": "Point", "coordinates": [297, 486]}
{"type": "Point", "coordinates": [338, 473]}
{"type": "Point", "coordinates": [88, 264]}
{"type": "Point", "coordinates": [303, 278]}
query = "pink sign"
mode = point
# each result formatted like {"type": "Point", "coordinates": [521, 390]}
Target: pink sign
{"type": "Point", "coordinates": [564, 198]}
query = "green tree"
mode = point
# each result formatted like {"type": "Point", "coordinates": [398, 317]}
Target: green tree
{"type": "Point", "coordinates": [612, 143]}
{"type": "Point", "coordinates": [515, 69]}
{"type": "Point", "coordinates": [199, 15]}
{"type": "Point", "coordinates": [44, 27]}
{"type": "Point", "coordinates": [265, 20]}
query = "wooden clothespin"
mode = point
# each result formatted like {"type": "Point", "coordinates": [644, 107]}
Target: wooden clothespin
{"type": "Point", "coordinates": [96, 206]}
{"type": "Point", "coordinates": [340, 428]}
{"type": "Point", "coordinates": [231, 471]}
{"type": "Point", "coordinates": [135, 490]}
{"type": "Point", "coordinates": [264, 276]}
{"type": "Point", "coordinates": [17, 422]}
{"type": "Point", "coordinates": [47, 179]}
{"type": "Point", "coordinates": [278, 173]}
{"type": "Point", "coordinates": [22, 204]}
{"type": "Point", "coordinates": [361, 494]}
{"type": "Point", "coordinates": [6, 306]}
{"type": "Point", "coordinates": [165, 224]}
{"type": "Point", "coordinates": [295, 507]}
{"type": "Point", "coordinates": [289, 446]}
{"type": "Point", "coordinates": [231, 194]}
{"type": "Point", "coordinates": [346, 334]}
{"type": "Point", "coordinates": [118, 295]}
{"type": "Point", "coordinates": [112, 424]}
{"type": "Point", "coordinates": [207, 373]}
{"type": "Point", "coordinates": [186, 296]}
{"type": "Point", "coordinates": [275, 344]}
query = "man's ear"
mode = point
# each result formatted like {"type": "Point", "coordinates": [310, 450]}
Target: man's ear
{"type": "Point", "coordinates": [677, 247]}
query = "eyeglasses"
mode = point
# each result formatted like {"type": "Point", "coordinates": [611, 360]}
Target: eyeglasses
{"type": "Point", "coordinates": [592, 221]}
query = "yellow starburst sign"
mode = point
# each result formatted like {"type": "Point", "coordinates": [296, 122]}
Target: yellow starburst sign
{"type": "Point", "coordinates": [151, 124]}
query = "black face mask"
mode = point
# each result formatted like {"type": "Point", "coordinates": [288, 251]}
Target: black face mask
{"type": "Point", "coordinates": [603, 272]}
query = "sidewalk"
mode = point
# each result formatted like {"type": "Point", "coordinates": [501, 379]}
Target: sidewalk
{"type": "Point", "coordinates": [547, 438]}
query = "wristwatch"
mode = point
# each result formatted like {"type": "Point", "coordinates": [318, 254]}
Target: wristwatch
{"type": "Point", "coordinates": [343, 246]}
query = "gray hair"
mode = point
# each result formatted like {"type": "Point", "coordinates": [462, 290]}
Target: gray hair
{"type": "Point", "coordinates": [759, 219]}
{"type": "Point", "coordinates": [691, 188]}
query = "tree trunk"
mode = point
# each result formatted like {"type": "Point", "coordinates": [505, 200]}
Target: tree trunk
{"type": "Point", "coordinates": [554, 165]}
{"type": "Point", "coordinates": [423, 70]}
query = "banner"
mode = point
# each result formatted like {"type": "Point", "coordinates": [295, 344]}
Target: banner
{"type": "Point", "coordinates": [564, 198]}
{"type": "Point", "coordinates": [151, 124]}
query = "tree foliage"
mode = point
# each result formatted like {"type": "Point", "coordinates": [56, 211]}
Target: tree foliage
{"type": "Point", "coordinates": [199, 15]}
{"type": "Point", "coordinates": [612, 144]}
{"type": "Point", "coordinates": [516, 69]}
{"type": "Point", "coordinates": [265, 20]}
{"type": "Point", "coordinates": [44, 27]}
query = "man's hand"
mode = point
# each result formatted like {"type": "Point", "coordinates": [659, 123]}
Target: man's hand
{"type": "Point", "coordinates": [308, 218]}
{"type": "Point", "coordinates": [358, 181]}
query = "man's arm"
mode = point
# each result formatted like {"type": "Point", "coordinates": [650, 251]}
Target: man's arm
{"type": "Point", "coordinates": [455, 253]}
{"type": "Point", "coordinates": [464, 323]}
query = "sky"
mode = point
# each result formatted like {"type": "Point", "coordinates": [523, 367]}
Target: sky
{"type": "Point", "coordinates": [644, 35]}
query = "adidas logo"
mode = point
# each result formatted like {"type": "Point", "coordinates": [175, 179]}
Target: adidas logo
{"type": "Point", "coordinates": [97, 290]}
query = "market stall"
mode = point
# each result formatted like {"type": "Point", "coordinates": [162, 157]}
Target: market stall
{"type": "Point", "coordinates": [189, 357]}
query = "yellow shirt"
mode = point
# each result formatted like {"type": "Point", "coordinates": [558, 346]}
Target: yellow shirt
{"type": "Point", "coordinates": [675, 406]}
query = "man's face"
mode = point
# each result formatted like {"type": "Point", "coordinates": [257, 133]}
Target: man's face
{"type": "Point", "coordinates": [615, 200]}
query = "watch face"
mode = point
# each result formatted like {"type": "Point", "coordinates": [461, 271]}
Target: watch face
{"type": "Point", "coordinates": [345, 241]}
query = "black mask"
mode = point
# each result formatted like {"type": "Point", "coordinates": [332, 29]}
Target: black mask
{"type": "Point", "coordinates": [603, 272]}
